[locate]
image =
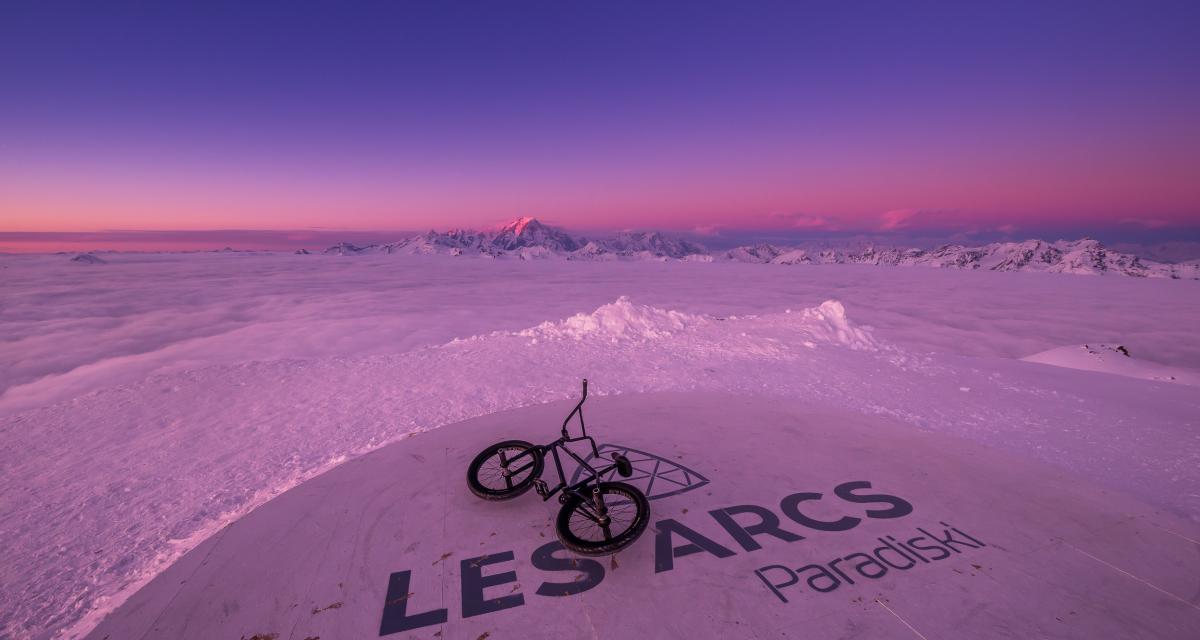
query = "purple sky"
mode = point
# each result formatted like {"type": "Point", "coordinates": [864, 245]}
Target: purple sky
{"type": "Point", "coordinates": [911, 119]}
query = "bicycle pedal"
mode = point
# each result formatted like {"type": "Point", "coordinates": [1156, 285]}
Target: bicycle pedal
{"type": "Point", "coordinates": [541, 487]}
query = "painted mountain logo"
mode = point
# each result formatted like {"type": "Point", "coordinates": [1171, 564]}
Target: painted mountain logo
{"type": "Point", "coordinates": [657, 477]}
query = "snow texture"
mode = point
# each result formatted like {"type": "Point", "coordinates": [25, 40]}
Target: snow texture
{"type": "Point", "coordinates": [338, 538]}
{"type": "Point", "coordinates": [1114, 359]}
{"type": "Point", "coordinates": [150, 402]}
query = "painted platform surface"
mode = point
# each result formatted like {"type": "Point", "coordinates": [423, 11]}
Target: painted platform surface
{"type": "Point", "coordinates": [770, 519]}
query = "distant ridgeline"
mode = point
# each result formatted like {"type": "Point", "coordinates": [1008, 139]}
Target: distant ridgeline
{"type": "Point", "coordinates": [528, 239]}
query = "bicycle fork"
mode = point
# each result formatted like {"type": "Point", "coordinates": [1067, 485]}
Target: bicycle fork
{"type": "Point", "coordinates": [600, 510]}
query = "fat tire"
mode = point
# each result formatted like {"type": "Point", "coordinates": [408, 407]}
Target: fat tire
{"type": "Point", "coordinates": [521, 487]}
{"type": "Point", "coordinates": [602, 548]}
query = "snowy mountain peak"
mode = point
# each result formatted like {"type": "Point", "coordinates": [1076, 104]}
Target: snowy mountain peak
{"type": "Point", "coordinates": [529, 232]}
{"type": "Point", "coordinates": [518, 226]}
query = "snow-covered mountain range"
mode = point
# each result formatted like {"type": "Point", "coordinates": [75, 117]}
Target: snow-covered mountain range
{"type": "Point", "coordinates": [1081, 257]}
{"type": "Point", "coordinates": [528, 239]}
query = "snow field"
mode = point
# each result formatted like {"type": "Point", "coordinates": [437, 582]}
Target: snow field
{"type": "Point", "coordinates": [152, 404]}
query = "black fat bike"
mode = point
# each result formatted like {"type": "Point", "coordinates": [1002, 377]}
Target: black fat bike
{"type": "Point", "coordinates": [597, 517]}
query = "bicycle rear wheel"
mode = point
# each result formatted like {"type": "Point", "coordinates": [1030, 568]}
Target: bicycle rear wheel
{"type": "Point", "coordinates": [582, 530]}
{"type": "Point", "coordinates": [504, 470]}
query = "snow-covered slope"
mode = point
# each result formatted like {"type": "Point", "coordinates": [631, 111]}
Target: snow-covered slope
{"type": "Point", "coordinates": [1114, 359]}
{"type": "Point", "coordinates": [182, 455]}
{"type": "Point", "coordinates": [149, 401]}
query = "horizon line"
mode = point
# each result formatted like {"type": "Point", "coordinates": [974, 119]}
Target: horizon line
{"type": "Point", "coordinates": [320, 238]}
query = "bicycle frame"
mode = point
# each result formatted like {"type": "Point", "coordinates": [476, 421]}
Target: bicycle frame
{"type": "Point", "coordinates": [561, 443]}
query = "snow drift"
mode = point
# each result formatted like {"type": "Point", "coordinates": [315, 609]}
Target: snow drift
{"type": "Point", "coordinates": [829, 324]}
{"type": "Point", "coordinates": [620, 320]}
{"type": "Point", "coordinates": [1113, 359]}
{"type": "Point", "coordinates": [623, 320]}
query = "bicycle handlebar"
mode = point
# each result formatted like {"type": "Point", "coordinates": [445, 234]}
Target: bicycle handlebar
{"type": "Point", "coordinates": [577, 410]}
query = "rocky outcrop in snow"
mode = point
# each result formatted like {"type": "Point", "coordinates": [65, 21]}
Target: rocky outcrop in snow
{"type": "Point", "coordinates": [651, 244]}
{"type": "Point", "coordinates": [765, 254]}
{"type": "Point", "coordinates": [347, 249]}
{"type": "Point", "coordinates": [87, 258]}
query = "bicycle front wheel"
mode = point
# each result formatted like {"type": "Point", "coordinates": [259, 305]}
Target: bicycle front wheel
{"type": "Point", "coordinates": [587, 530]}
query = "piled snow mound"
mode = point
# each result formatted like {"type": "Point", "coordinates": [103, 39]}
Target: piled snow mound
{"type": "Point", "coordinates": [1114, 359]}
{"type": "Point", "coordinates": [618, 321]}
{"type": "Point", "coordinates": [829, 323]}
{"type": "Point", "coordinates": [626, 321]}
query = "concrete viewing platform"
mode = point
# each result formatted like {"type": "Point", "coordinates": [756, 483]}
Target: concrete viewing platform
{"type": "Point", "coordinates": [770, 518]}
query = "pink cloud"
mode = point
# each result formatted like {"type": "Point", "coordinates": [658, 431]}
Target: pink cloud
{"type": "Point", "coordinates": [1149, 223]}
{"type": "Point", "coordinates": [802, 220]}
{"type": "Point", "coordinates": [897, 218]}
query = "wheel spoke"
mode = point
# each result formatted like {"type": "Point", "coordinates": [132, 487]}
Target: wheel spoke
{"type": "Point", "coordinates": [586, 509]}
{"type": "Point", "coordinates": [490, 474]}
{"type": "Point", "coordinates": [622, 512]}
